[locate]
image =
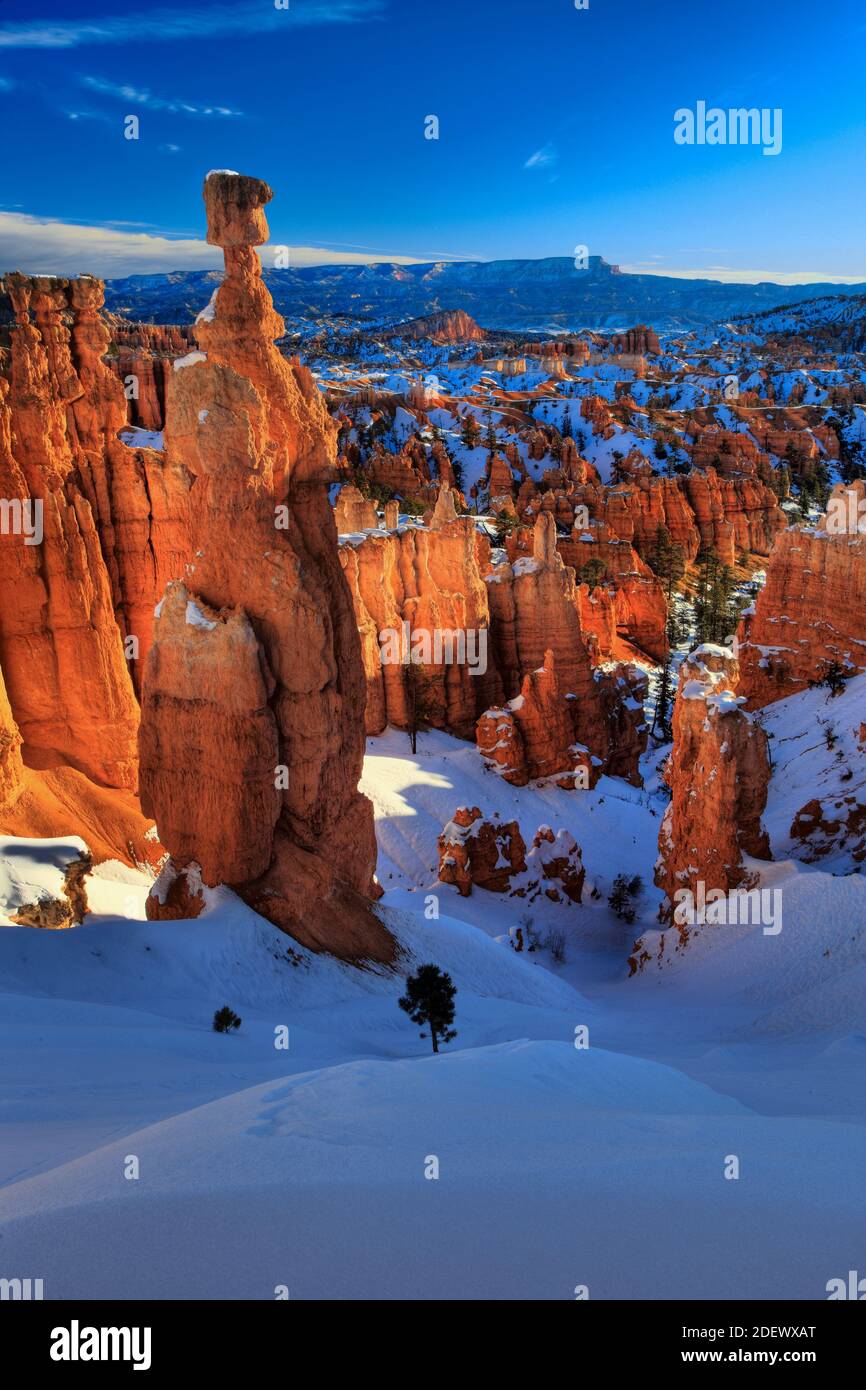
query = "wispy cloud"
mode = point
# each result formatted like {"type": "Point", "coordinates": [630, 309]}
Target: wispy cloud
{"type": "Point", "coordinates": [731, 275]}
{"type": "Point", "coordinates": [544, 158]}
{"type": "Point", "coordinates": [49, 246]}
{"type": "Point", "coordinates": [140, 96]}
{"type": "Point", "coordinates": [6, 85]}
{"type": "Point", "coordinates": [196, 22]}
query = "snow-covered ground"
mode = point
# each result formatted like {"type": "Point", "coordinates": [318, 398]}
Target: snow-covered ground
{"type": "Point", "coordinates": [261, 1166]}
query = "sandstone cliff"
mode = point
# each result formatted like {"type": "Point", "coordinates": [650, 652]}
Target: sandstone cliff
{"type": "Point", "coordinates": [811, 612]}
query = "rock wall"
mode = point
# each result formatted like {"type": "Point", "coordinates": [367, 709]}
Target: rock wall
{"type": "Point", "coordinates": [811, 612]}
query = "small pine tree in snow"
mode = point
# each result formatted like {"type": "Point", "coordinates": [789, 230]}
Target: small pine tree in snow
{"type": "Point", "coordinates": [429, 999]}
{"type": "Point", "coordinates": [225, 1019]}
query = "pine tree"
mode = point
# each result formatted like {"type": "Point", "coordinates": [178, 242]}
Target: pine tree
{"type": "Point", "coordinates": [713, 604]}
{"type": "Point", "coordinates": [429, 999]}
{"type": "Point", "coordinates": [491, 441]}
{"type": "Point", "coordinates": [471, 432]}
{"type": "Point", "coordinates": [420, 705]}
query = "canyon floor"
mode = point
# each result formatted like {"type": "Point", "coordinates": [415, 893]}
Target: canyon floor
{"type": "Point", "coordinates": [559, 1166]}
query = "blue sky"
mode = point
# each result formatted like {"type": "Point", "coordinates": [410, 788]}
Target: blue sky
{"type": "Point", "coordinates": [556, 130]}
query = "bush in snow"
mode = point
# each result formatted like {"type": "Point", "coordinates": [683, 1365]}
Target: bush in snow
{"type": "Point", "coordinates": [225, 1019]}
{"type": "Point", "coordinates": [621, 895]}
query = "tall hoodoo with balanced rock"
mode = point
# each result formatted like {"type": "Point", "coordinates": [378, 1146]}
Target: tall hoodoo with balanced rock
{"type": "Point", "coordinates": [252, 734]}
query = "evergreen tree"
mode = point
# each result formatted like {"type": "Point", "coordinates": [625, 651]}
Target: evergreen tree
{"type": "Point", "coordinates": [592, 573]}
{"type": "Point", "coordinates": [471, 431]}
{"type": "Point", "coordinates": [420, 706]}
{"type": "Point", "coordinates": [714, 610]}
{"type": "Point", "coordinates": [429, 999]}
{"type": "Point", "coordinates": [491, 442]}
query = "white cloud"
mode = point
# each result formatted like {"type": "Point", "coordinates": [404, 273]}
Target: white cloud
{"type": "Point", "coordinates": [138, 96]}
{"type": "Point", "coordinates": [47, 246]}
{"type": "Point", "coordinates": [542, 159]}
{"type": "Point", "coordinates": [732, 276]}
{"type": "Point", "coordinates": [167, 25]}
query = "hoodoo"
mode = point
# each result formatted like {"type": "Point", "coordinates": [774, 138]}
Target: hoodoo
{"type": "Point", "coordinates": [252, 734]}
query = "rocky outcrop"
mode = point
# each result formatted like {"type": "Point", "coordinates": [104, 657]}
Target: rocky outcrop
{"type": "Point", "coordinates": [700, 511]}
{"type": "Point", "coordinates": [637, 341]}
{"type": "Point", "coordinates": [61, 648]}
{"type": "Point", "coordinates": [718, 773]}
{"type": "Point", "coordinates": [420, 589]}
{"type": "Point", "coordinates": [811, 612]}
{"type": "Point", "coordinates": [449, 326]}
{"type": "Point", "coordinates": [532, 736]}
{"type": "Point", "coordinates": [479, 853]}
{"type": "Point", "coordinates": [252, 733]}
{"type": "Point", "coordinates": [354, 512]}
{"type": "Point", "coordinates": [67, 909]}
{"type": "Point", "coordinates": [11, 763]}
{"type": "Point", "coordinates": [535, 607]}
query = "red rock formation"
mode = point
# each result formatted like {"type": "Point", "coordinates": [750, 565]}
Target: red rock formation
{"type": "Point", "coordinates": [718, 772]}
{"type": "Point", "coordinates": [811, 612]}
{"type": "Point", "coordinates": [638, 341]}
{"type": "Point", "coordinates": [252, 732]}
{"type": "Point", "coordinates": [354, 512]}
{"type": "Point", "coordinates": [479, 853]}
{"type": "Point", "coordinates": [532, 736]}
{"type": "Point", "coordinates": [700, 511]}
{"type": "Point", "coordinates": [11, 763]}
{"type": "Point", "coordinates": [535, 607]}
{"type": "Point", "coordinates": [61, 649]}
{"type": "Point", "coordinates": [449, 326]}
{"type": "Point", "coordinates": [473, 851]}
{"type": "Point", "coordinates": [424, 580]}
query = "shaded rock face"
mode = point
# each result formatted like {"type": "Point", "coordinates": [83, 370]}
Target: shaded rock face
{"type": "Point", "coordinates": [811, 612]}
{"type": "Point", "coordinates": [477, 853]}
{"type": "Point", "coordinates": [718, 772]}
{"type": "Point", "coordinates": [835, 824]}
{"type": "Point", "coordinates": [277, 743]}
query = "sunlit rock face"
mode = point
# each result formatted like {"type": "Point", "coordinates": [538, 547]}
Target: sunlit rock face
{"type": "Point", "coordinates": [718, 772]}
{"type": "Point", "coordinates": [253, 706]}
{"type": "Point", "coordinates": [811, 612]}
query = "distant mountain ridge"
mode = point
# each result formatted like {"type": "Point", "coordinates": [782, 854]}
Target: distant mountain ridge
{"type": "Point", "coordinates": [546, 294]}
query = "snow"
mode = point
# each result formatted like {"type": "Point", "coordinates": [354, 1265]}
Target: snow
{"type": "Point", "coordinates": [195, 617]}
{"type": "Point", "coordinates": [189, 360]}
{"type": "Point", "coordinates": [33, 871]}
{"type": "Point", "coordinates": [557, 1163]}
{"type": "Point", "coordinates": [137, 438]}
